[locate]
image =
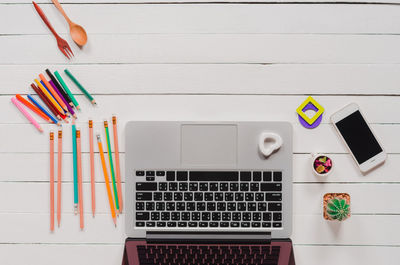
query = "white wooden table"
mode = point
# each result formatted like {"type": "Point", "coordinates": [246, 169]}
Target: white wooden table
{"type": "Point", "coordinates": [158, 60]}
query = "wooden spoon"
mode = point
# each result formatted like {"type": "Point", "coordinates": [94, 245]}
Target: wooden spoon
{"type": "Point", "coordinates": [76, 31]}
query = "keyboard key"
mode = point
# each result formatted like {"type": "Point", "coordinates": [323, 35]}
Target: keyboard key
{"type": "Point", "coordinates": [213, 186]}
{"type": "Point", "coordinates": [224, 224]}
{"type": "Point", "coordinates": [267, 216]}
{"type": "Point", "coordinates": [245, 224]}
{"type": "Point", "coordinates": [223, 186]}
{"type": "Point", "coordinates": [256, 216]}
{"type": "Point", "coordinates": [144, 196]}
{"type": "Point", "coordinates": [234, 224]}
{"type": "Point", "coordinates": [226, 216]}
{"type": "Point", "coordinates": [262, 206]}
{"type": "Point", "coordinates": [192, 224]}
{"type": "Point", "coordinates": [276, 224]}
{"type": "Point", "coordinates": [205, 216]}
{"type": "Point", "coordinates": [140, 224]}
{"type": "Point", "coordinates": [195, 216]}
{"type": "Point", "coordinates": [245, 176]}
{"type": "Point", "coordinates": [150, 178]}
{"type": "Point", "coordinates": [241, 206]}
{"type": "Point", "coordinates": [277, 176]}
{"type": "Point", "coordinates": [183, 186]}
{"type": "Point", "coordinates": [249, 197]}
{"type": "Point", "coordinates": [182, 224]}
{"type": "Point", "coordinates": [277, 217]}
{"type": "Point", "coordinates": [160, 206]}
{"type": "Point", "coordinates": [251, 206]}
{"type": "Point", "coordinates": [167, 196]}
{"type": "Point", "coordinates": [193, 186]}
{"type": "Point", "coordinates": [165, 216]}
{"type": "Point", "coordinates": [173, 186]}
{"type": "Point", "coordinates": [273, 196]}
{"type": "Point", "coordinates": [259, 196]}
{"type": "Point", "coordinates": [254, 186]}
{"type": "Point", "coordinates": [267, 176]}
{"type": "Point", "coordinates": [216, 216]}
{"type": "Point", "coordinates": [149, 206]}
{"type": "Point", "coordinates": [201, 206]}
{"type": "Point", "coordinates": [256, 176]}
{"type": "Point", "coordinates": [191, 206]}
{"type": "Point", "coordinates": [244, 186]}
{"type": "Point", "coordinates": [175, 216]}
{"type": "Point", "coordinates": [155, 216]}
{"type": "Point", "coordinates": [185, 216]}
{"type": "Point", "coordinates": [255, 224]}
{"type": "Point", "coordinates": [171, 224]}
{"type": "Point", "coordinates": [211, 206]}
{"type": "Point", "coordinates": [233, 186]}
{"type": "Point", "coordinates": [182, 176]}
{"type": "Point", "coordinates": [239, 196]}
{"type": "Point", "coordinates": [218, 196]}
{"type": "Point", "coordinates": [171, 176]}
{"type": "Point", "coordinates": [271, 187]}
{"type": "Point", "coordinates": [139, 206]}
{"type": "Point", "coordinates": [266, 224]}
{"type": "Point", "coordinates": [178, 196]}
{"type": "Point", "coordinates": [139, 173]}
{"type": "Point", "coordinates": [203, 186]}
{"type": "Point", "coordinates": [275, 207]}
{"type": "Point", "coordinates": [203, 224]}
{"type": "Point", "coordinates": [229, 196]}
{"type": "Point", "coordinates": [142, 216]}
{"type": "Point", "coordinates": [163, 186]}
{"type": "Point", "coordinates": [213, 176]}
{"type": "Point", "coordinates": [150, 173]}
{"type": "Point", "coordinates": [180, 206]}
{"type": "Point", "coordinates": [208, 196]}
{"type": "Point", "coordinates": [231, 206]}
{"type": "Point", "coordinates": [221, 206]}
{"type": "Point", "coordinates": [161, 224]}
{"type": "Point", "coordinates": [160, 173]}
{"type": "Point", "coordinates": [188, 196]}
{"type": "Point", "coordinates": [170, 206]}
{"type": "Point", "coordinates": [237, 216]}
{"type": "Point", "coordinates": [150, 224]}
{"type": "Point", "coordinates": [146, 186]}
{"type": "Point", "coordinates": [157, 196]}
{"type": "Point", "coordinates": [213, 224]}
{"type": "Point", "coordinates": [246, 216]}
{"type": "Point", "coordinates": [198, 196]}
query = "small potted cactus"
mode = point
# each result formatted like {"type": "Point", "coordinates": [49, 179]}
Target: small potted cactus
{"type": "Point", "coordinates": [336, 206]}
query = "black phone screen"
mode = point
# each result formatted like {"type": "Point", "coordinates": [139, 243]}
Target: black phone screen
{"type": "Point", "coordinates": [359, 137]}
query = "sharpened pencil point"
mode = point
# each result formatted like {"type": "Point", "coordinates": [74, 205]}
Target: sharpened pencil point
{"type": "Point", "coordinates": [78, 107]}
{"type": "Point", "coordinates": [75, 116]}
{"type": "Point", "coordinates": [94, 102]}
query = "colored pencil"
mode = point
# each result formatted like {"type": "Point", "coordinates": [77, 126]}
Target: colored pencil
{"type": "Point", "coordinates": [117, 167]}
{"type": "Point", "coordinates": [79, 159]}
{"type": "Point", "coordinates": [63, 115]}
{"type": "Point", "coordinates": [53, 92]}
{"type": "Point", "coordinates": [111, 166]}
{"type": "Point", "coordinates": [33, 108]}
{"type": "Point", "coordinates": [43, 110]}
{"type": "Point", "coordinates": [46, 101]}
{"type": "Point", "coordinates": [26, 114]}
{"type": "Point", "coordinates": [59, 87]}
{"type": "Point", "coordinates": [69, 108]}
{"type": "Point", "coordinates": [79, 85]}
{"type": "Point", "coordinates": [74, 158]}
{"type": "Point", "coordinates": [59, 78]}
{"type": "Point", "coordinates": [92, 175]}
{"type": "Point", "coordinates": [106, 179]}
{"type": "Point", "coordinates": [59, 172]}
{"type": "Point", "coordinates": [50, 97]}
{"type": "Point", "coordinates": [51, 181]}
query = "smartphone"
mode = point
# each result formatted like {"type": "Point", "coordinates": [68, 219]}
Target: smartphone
{"type": "Point", "coordinates": [359, 138]}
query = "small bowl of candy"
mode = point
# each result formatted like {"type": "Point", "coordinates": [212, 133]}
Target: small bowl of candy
{"type": "Point", "coordinates": [322, 165]}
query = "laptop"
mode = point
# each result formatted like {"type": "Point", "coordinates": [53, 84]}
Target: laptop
{"type": "Point", "coordinates": [203, 193]}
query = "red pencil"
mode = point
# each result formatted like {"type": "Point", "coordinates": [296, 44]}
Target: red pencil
{"type": "Point", "coordinates": [46, 101]}
{"type": "Point", "coordinates": [33, 108]}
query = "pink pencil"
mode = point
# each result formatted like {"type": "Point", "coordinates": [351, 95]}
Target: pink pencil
{"type": "Point", "coordinates": [92, 176]}
{"type": "Point", "coordinates": [117, 167]}
{"type": "Point", "coordinates": [26, 114]}
{"type": "Point", "coordinates": [51, 181]}
{"type": "Point", "coordinates": [79, 160]}
{"type": "Point", "coordinates": [59, 167]}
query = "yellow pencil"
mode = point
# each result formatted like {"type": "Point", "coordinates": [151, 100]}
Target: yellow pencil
{"type": "Point", "coordinates": [50, 97]}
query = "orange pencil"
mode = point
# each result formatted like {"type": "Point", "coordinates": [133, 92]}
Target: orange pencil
{"type": "Point", "coordinates": [51, 181]}
{"type": "Point", "coordinates": [79, 160]}
{"type": "Point", "coordinates": [33, 108]}
{"type": "Point", "coordinates": [117, 167]}
{"type": "Point", "coordinates": [59, 171]}
{"type": "Point", "coordinates": [54, 93]}
{"type": "Point", "coordinates": [106, 179]}
{"type": "Point", "coordinates": [92, 175]}
{"type": "Point", "coordinates": [49, 97]}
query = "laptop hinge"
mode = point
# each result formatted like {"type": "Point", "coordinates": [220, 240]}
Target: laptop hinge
{"type": "Point", "coordinates": [195, 237]}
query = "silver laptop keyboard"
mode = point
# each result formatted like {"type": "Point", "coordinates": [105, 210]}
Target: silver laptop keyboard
{"type": "Point", "coordinates": [214, 199]}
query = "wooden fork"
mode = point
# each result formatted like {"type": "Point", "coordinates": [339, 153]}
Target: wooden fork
{"type": "Point", "coordinates": [62, 44]}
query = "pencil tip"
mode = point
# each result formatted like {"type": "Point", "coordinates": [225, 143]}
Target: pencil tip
{"type": "Point", "coordinates": [78, 108]}
{"type": "Point", "coordinates": [75, 116]}
{"type": "Point", "coordinates": [94, 102]}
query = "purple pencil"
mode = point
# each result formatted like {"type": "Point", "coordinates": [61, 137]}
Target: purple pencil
{"type": "Point", "coordinates": [63, 99]}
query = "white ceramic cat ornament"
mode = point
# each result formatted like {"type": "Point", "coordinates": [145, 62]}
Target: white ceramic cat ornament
{"type": "Point", "coordinates": [269, 143]}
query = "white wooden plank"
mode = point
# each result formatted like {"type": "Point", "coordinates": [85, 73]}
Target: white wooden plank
{"type": "Point", "coordinates": [324, 139]}
{"type": "Point", "coordinates": [307, 198]}
{"type": "Point", "coordinates": [216, 78]}
{"type": "Point", "coordinates": [35, 169]}
{"type": "Point", "coordinates": [207, 48]}
{"type": "Point", "coordinates": [221, 18]}
{"type": "Point", "coordinates": [112, 254]}
{"type": "Point", "coordinates": [308, 229]}
{"type": "Point", "coordinates": [272, 108]}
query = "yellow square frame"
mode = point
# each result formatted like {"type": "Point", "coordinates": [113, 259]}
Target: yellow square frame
{"type": "Point", "coordinates": [310, 121]}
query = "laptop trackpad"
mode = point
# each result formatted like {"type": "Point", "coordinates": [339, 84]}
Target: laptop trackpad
{"type": "Point", "coordinates": [204, 144]}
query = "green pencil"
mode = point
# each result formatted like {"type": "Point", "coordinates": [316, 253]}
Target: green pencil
{"type": "Point", "coordinates": [111, 166]}
{"type": "Point", "coordinates": [75, 166]}
{"type": "Point", "coordinates": [87, 94]}
{"type": "Point", "coordinates": [67, 90]}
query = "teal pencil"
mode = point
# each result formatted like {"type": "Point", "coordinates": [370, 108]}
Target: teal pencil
{"type": "Point", "coordinates": [84, 91]}
{"type": "Point", "coordinates": [111, 166]}
{"type": "Point", "coordinates": [75, 162]}
{"type": "Point", "coordinates": [61, 81]}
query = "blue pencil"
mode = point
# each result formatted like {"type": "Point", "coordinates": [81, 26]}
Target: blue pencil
{"type": "Point", "coordinates": [43, 109]}
{"type": "Point", "coordinates": [50, 93]}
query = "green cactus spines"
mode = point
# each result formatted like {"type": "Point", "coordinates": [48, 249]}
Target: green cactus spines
{"type": "Point", "coordinates": [338, 209]}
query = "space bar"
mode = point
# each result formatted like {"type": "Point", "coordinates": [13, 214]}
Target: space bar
{"type": "Point", "coordinates": [213, 176]}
